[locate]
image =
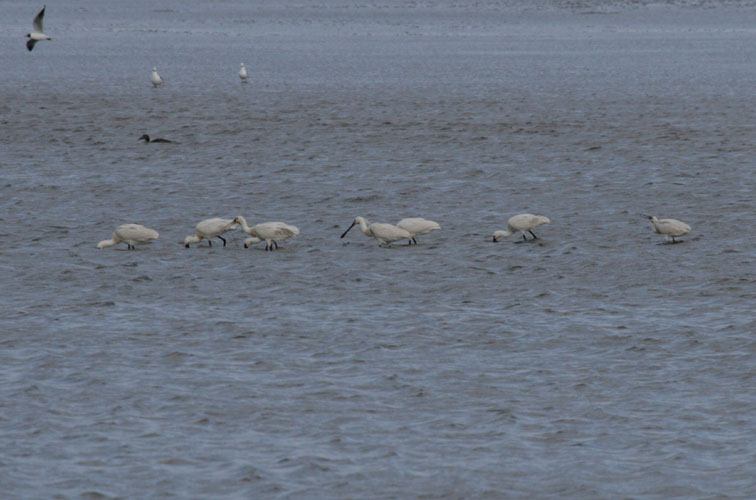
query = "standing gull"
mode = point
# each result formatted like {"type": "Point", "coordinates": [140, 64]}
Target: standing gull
{"type": "Point", "coordinates": [38, 33]}
{"type": "Point", "coordinates": [156, 80]}
{"type": "Point", "coordinates": [243, 73]}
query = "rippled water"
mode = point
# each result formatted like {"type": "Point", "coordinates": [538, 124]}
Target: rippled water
{"type": "Point", "coordinates": [594, 362]}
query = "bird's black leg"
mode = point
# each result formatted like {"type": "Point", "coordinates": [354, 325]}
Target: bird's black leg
{"type": "Point", "coordinates": [523, 237]}
{"type": "Point", "coordinates": [274, 243]}
{"type": "Point", "coordinates": [209, 242]}
{"type": "Point", "coordinates": [531, 232]}
{"type": "Point", "coordinates": [414, 240]}
{"type": "Point", "coordinates": [223, 240]}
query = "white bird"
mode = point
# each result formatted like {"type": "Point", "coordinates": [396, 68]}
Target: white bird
{"type": "Point", "coordinates": [156, 80]}
{"type": "Point", "coordinates": [417, 226]}
{"type": "Point", "coordinates": [251, 240]}
{"type": "Point", "coordinates": [131, 234]}
{"type": "Point", "coordinates": [211, 228]}
{"type": "Point", "coordinates": [271, 232]}
{"type": "Point", "coordinates": [670, 228]}
{"type": "Point", "coordinates": [38, 33]}
{"type": "Point", "coordinates": [386, 234]}
{"type": "Point", "coordinates": [522, 223]}
{"type": "Point", "coordinates": [243, 73]}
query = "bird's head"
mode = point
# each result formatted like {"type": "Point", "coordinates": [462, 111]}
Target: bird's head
{"type": "Point", "coordinates": [145, 138]}
{"type": "Point", "coordinates": [356, 221]}
{"type": "Point", "coordinates": [499, 235]}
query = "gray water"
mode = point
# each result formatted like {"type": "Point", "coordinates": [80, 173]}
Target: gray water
{"type": "Point", "coordinates": [593, 362]}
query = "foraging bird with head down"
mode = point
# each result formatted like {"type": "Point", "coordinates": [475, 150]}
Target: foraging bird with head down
{"type": "Point", "coordinates": [386, 234]}
{"type": "Point", "coordinates": [131, 234]}
{"type": "Point", "coordinates": [211, 228]}
{"type": "Point", "coordinates": [522, 223]}
{"type": "Point", "coordinates": [417, 226]}
{"type": "Point", "coordinates": [271, 232]}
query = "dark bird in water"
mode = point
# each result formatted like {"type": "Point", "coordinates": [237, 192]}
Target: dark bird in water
{"type": "Point", "coordinates": [38, 33]}
{"type": "Point", "coordinates": [146, 138]}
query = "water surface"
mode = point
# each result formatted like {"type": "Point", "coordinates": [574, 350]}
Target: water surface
{"type": "Point", "coordinates": [594, 362]}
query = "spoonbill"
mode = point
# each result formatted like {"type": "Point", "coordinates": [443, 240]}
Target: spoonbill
{"type": "Point", "coordinates": [211, 228]}
{"type": "Point", "coordinates": [251, 240]}
{"type": "Point", "coordinates": [38, 33]}
{"type": "Point", "coordinates": [386, 234]}
{"type": "Point", "coordinates": [243, 73]}
{"type": "Point", "coordinates": [156, 80]}
{"type": "Point", "coordinates": [131, 234]}
{"type": "Point", "coordinates": [522, 223]}
{"type": "Point", "coordinates": [670, 228]}
{"type": "Point", "coordinates": [146, 138]}
{"type": "Point", "coordinates": [417, 226]}
{"type": "Point", "coordinates": [271, 232]}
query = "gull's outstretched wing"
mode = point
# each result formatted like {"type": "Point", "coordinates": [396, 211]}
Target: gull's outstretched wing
{"type": "Point", "coordinates": [38, 20]}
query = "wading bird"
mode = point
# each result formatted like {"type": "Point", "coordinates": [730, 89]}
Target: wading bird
{"type": "Point", "coordinates": [417, 226]}
{"type": "Point", "coordinates": [211, 228]}
{"type": "Point", "coordinates": [521, 223]}
{"type": "Point", "coordinates": [386, 234]}
{"type": "Point", "coordinates": [670, 228]}
{"type": "Point", "coordinates": [156, 80]}
{"type": "Point", "coordinates": [131, 234]}
{"type": "Point", "coordinates": [271, 232]}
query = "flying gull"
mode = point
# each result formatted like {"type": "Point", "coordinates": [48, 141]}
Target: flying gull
{"type": "Point", "coordinates": [38, 33]}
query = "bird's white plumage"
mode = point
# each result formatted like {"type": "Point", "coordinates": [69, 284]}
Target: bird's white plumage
{"type": "Point", "coordinates": [521, 223]}
{"type": "Point", "coordinates": [670, 228]}
{"type": "Point", "coordinates": [386, 234]}
{"type": "Point", "coordinates": [156, 80]}
{"type": "Point", "coordinates": [38, 33]}
{"type": "Point", "coordinates": [243, 73]}
{"type": "Point", "coordinates": [417, 226]}
{"type": "Point", "coordinates": [251, 240]}
{"type": "Point", "coordinates": [210, 228]}
{"type": "Point", "coordinates": [131, 234]}
{"type": "Point", "coordinates": [271, 232]}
